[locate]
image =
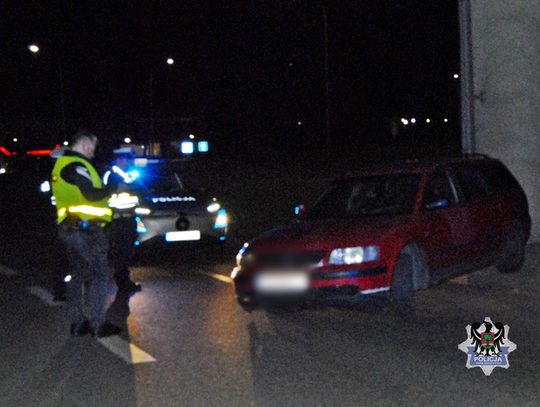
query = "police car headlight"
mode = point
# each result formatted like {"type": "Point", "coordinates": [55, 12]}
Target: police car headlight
{"type": "Point", "coordinates": [355, 255]}
{"type": "Point", "coordinates": [123, 200]}
{"type": "Point", "coordinates": [222, 219]}
{"type": "Point", "coordinates": [213, 207]}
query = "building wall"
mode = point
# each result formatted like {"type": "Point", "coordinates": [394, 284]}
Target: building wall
{"type": "Point", "coordinates": [505, 38]}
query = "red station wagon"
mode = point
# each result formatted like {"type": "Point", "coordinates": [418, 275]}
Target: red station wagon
{"type": "Point", "coordinates": [393, 230]}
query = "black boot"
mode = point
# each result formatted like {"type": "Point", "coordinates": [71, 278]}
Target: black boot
{"type": "Point", "coordinates": [106, 329]}
{"type": "Point", "coordinates": [80, 329]}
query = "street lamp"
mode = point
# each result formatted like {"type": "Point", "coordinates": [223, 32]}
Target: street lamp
{"type": "Point", "coordinates": [170, 61]}
{"type": "Point", "coordinates": [456, 76]}
{"type": "Point", "coordinates": [33, 48]}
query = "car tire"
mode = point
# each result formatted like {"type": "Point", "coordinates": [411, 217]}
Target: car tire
{"type": "Point", "coordinates": [513, 250]}
{"type": "Point", "coordinates": [402, 290]}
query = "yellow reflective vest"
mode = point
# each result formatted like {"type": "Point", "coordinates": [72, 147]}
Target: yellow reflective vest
{"type": "Point", "coordinates": [69, 199]}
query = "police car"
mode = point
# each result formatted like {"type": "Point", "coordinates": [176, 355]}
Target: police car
{"type": "Point", "coordinates": [169, 209]}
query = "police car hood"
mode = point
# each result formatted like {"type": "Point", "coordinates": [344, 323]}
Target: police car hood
{"type": "Point", "coordinates": [189, 201]}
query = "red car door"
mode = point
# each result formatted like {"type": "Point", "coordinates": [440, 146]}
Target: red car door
{"type": "Point", "coordinates": [445, 222]}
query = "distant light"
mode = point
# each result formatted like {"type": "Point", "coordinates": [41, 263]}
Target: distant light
{"type": "Point", "coordinates": [428, 120]}
{"type": "Point", "coordinates": [222, 238]}
{"type": "Point", "coordinates": [186, 147]}
{"type": "Point", "coordinates": [45, 186]}
{"type": "Point", "coordinates": [290, 64]}
{"type": "Point", "coordinates": [170, 61]}
{"type": "Point", "coordinates": [202, 146]}
{"type": "Point", "coordinates": [413, 120]}
{"type": "Point", "coordinates": [445, 120]}
{"type": "Point", "coordinates": [67, 278]}
{"type": "Point", "coordinates": [191, 136]}
{"type": "Point", "coordinates": [127, 140]}
{"type": "Point", "coordinates": [405, 122]}
{"type": "Point", "coordinates": [137, 243]}
{"type": "Point", "coordinates": [33, 48]}
{"type": "Point", "coordinates": [2, 170]}
{"type": "Point", "coordinates": [66, 143]}
{"type": "Point", "coordinates": [456, 76]}
{"type": "Point", "coordinates": [299, 123]}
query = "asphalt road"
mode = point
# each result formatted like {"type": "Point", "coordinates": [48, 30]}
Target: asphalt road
{"type": "Point", "coordinates": [187, 343]}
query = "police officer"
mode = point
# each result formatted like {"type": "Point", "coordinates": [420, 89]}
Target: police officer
{"type": "Point", "coordinates": [123, 229]}
{"type": "Point", "coordinates": [82, 215]}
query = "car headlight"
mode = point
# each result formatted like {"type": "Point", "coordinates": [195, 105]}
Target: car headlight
{"type": "Point", "coordinates": [222, 220]}
{"type": "Point", "coordinates": [242, 255]}
{"type": "Point", "coordinates": [213, 207]}
{"type": "Point", "coordinates": [355, 255]}
{"type": "Point", "coordinates": [123, 200]}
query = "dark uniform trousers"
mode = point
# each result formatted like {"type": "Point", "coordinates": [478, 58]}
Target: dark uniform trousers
{"type": "Point", "coordinates": [122, 236]}
{"type": "Point", "coordinates": [87, 255]}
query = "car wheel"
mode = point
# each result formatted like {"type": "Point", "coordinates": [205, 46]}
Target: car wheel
{"type": "Point", "coordinates": [402, 289]}
{"type": "Point", "coordinates": [513, 250]}
{"type": "Point", "coordinates": [247, 303]}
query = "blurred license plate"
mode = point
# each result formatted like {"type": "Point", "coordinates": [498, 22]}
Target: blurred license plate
{"type": "Point", "coordinates": [182, 236]}
{"type": "Point", "coordinates": [282, 282]}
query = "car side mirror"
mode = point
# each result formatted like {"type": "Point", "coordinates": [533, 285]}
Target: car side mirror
{"type": "Point", "coordinates": [299, 210]}
{"type": "Point", "coordinates": [441, 203]}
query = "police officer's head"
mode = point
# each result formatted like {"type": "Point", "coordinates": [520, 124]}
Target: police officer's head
{"type": "Point", "coordinates": [84, 143]}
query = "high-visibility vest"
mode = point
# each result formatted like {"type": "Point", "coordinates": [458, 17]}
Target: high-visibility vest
{"type": "Point", "coordinates": [69, 199]}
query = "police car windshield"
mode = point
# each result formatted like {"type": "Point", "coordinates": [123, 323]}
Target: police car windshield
{"type": "Point", "coordinates": [160, 180]}
{"type": "Point", "coordinates": [368, 196]}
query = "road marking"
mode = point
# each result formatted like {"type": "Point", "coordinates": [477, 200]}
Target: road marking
{"type": "Point", "coordinates": [130, 353]}
{"type": "Point", "coordinates": [220, 277]}
{"type": "Point", "coordinates": [44, 295]}
{"type": "Point", "coordinates": [6, 271]}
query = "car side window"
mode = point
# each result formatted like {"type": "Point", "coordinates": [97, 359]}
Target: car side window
{"type": "Point", "coordinates": [439, 192]}
{"type": "Point", "coordinates": [472, 184]}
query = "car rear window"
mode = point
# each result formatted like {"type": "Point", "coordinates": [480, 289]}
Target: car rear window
{"type": "Point", "coordinates": [368, 196]}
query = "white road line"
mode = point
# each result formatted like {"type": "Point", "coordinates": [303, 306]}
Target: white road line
{"type": "Point", "coordinates": [130, 353]}
{"type": "Point", "coordinates": [6, 271]}
{"type": "Point", "coordinates": [44, 295]}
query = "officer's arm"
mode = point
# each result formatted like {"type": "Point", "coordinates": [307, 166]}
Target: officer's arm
{"type": "Point", "coordinates": [79, 176]}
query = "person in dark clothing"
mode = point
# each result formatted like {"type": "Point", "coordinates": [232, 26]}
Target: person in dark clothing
{"type": "Point", "coordinates": [123, 229]}
{"type": "Point", "coordinates": [82, 215]}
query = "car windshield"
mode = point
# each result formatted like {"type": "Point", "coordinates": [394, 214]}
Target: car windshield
{"type": "Point", "coordinates": [368, 196]}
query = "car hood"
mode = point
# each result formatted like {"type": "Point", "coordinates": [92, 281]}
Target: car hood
{"type": "Point", "coordinates": [327, 234]}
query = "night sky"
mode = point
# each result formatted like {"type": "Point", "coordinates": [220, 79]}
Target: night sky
{"type": "Point", "coordinates": [245, 73]}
